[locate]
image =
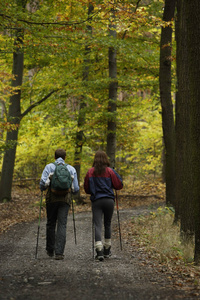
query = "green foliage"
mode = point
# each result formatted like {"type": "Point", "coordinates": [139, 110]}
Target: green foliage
{"type": "Point", "coordinates": [55, 37]}
{"type": "Point", "coordinates": [4, 146]}
{"type": "Point", "coordinates": [140, 138]}
{"type": "Point", "coordinates": [38, 141]}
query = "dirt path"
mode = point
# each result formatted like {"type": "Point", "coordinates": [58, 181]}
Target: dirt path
{"type": "Point", "coordinates": [78, 276]}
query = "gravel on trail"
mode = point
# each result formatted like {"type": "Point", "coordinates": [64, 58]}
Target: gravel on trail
{"type": "Point", "coordinates": [79, 276]}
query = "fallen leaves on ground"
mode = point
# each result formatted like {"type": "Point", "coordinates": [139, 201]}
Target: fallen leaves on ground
{"type": "Point", "coordinates": [181, 274]}
{"type": "Point", "coordinates": [24, 206]}
{"type": "Point", "coordinates": [141, 193]}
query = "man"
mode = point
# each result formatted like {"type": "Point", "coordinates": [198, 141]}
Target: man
{"type": "Point", "coordinates": [57, 207]}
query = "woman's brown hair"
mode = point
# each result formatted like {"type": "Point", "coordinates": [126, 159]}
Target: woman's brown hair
{"type": "Point", "coordinates": [100, 162]}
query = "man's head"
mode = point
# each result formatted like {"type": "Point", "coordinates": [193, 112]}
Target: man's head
{"type": "Point", "coordinates": [60, 153]}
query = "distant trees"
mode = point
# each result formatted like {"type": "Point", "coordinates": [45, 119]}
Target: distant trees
{"type": "Point", "coordinates": [77, 80]}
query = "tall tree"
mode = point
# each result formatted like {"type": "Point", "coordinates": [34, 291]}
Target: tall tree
{"type": "Point", "coordinates": [166, 100]}
{"type": "Point", "coordinates": [191, 17]}
{"type": "Point", "coordinates": [184, 168]}
{"type": "Point", "coordinates": [14, 111]}
{"type": "Point", "coordinates": [111, 127]}
{"type": "Point", "coordinates": [81, 117]}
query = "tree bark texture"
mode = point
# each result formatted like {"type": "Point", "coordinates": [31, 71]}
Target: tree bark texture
{"type": "Point", "coordinates": [192, 11]}
{"type": "Point", "coordinates": [166, 101]}
{"type": "Point", "coordinates": [184, 167]}
{"type": "Point", "coordinates": [111, 126]}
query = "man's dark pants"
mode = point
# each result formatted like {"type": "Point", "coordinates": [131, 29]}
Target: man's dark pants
{"type": "Point", "coordinates": [57, 212]}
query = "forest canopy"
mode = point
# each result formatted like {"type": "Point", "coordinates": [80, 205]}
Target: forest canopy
{"type": "Point", "coordinates": [60, 42]}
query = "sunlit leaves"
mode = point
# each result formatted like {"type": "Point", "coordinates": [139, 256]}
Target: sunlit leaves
{"type": "Point", "coordinates": [140, 137]}
{"type": "Point", "coordinates": [55, 37]}
{"type": "Point", "coordinates": [38, 141]}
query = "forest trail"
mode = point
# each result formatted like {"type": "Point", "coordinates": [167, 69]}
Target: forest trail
{"type": "Point", "coordinates": [78, 276]}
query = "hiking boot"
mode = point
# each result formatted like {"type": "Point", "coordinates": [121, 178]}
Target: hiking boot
{"type": "Point", "coordinates": [99, 255]}
{"type": "Point", "coordinates": [107, 252]}
{"type": "Point", "coordinates": [50, 253]}
{"type": "Point", "coordinates": [59, 257]}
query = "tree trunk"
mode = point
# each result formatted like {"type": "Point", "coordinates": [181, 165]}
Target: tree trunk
{"type": "Point", "coordinates": [3, 110]}
{"type": "Point", "coordinates": [81, 117]}
{"type": "Point", "coordinates": [79, 145]}
{"type": "Point", "coordinates": [192, 11]}
{"type": "Point", "coordinates": [14, 115]}
{"type": "Point", "coordinates": [111, 126]}
{"type": "Point", "coordinates": [183, 164]}
{"type": "Point", "coordinates": [166, 102]}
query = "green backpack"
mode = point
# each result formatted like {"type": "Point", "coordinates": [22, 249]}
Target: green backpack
{"type": "Point", "coordinates": [61, 180]}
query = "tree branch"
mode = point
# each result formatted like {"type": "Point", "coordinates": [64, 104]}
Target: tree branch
{"type": "Point", "coordinates": [39, 102]}
{"type": "Point", "coordinates": [49, 23]}
{"type": "Point", "coordinates": [136, 7]}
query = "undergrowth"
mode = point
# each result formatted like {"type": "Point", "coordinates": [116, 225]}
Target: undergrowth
{"type": "Point", "coordinates": [158, 233]}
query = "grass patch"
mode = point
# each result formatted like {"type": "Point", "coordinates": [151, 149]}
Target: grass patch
{"type": "Point", "coordinates": [160, 236]}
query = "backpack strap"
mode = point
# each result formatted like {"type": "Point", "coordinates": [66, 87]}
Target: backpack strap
{"type": "Point", "coordinates": [60, 164]}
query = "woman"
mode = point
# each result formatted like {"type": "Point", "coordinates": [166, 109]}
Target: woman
{"type": "Point", "coordinates": [99, 183]}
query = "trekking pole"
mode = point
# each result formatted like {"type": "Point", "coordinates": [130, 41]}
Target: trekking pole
{"type": "Point", "coordinates": [92, 237]}
{"type": "Point", "coordinates": [38, 232]}
{"type": "Point", "coordinates": [73, 219]}
{"type": "Point", "coordinates": [118, 220]}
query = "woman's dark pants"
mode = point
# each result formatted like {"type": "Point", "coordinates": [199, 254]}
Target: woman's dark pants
{"type": "Point", "coordinates": [102, 207]}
